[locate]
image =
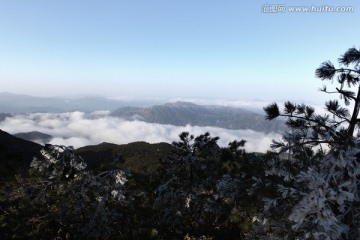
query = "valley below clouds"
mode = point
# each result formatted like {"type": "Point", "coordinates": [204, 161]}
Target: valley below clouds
{"type": "Point", "coordinates": [79, 129]}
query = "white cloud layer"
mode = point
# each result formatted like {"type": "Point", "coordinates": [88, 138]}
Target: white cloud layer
{"type": "Point", "coordinates": [79, 129]}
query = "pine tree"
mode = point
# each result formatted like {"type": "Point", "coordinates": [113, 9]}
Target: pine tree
{"type": "Point", "coordinates": [317, 169]}
{"type": "Point", "coordinates": [197, 196]}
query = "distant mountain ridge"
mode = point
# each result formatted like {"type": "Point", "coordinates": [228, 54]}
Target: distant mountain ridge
{"type": "Point", "coordinates": [18, 103]}
{"type": "Point", "coordinates": [177, 113]}
{"type": "Point", "coordinates": [183, 113]}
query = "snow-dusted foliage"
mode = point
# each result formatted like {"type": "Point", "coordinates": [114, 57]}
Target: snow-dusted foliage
{"type": "Point", "coordinates": [60, 160]}
{"type": "Point", "coordinates": [316, 172]}
{"type": "Point", "coordinates": [197, 196]}
{"type": "Point", "coordinates": [320, 201]}
{"type": "Point", "coordinates": [91, 197]}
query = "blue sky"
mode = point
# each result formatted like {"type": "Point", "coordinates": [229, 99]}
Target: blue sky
{"type": "Point", "coordinates": [170, 48]}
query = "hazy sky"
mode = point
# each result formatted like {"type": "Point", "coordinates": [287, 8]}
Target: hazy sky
{"type": "Point", "coordinates": [227, 49]}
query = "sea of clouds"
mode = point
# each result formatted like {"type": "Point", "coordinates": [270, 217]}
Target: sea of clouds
{"type": "Point", "coordinates": [80, 129]}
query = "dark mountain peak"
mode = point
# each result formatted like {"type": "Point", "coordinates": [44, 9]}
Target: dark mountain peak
{"type": "Point", "coordinates": [34, 136]}
{"type": "Point", "coordinates": [15, 154]}
{"type": "Point", "coordinates": [6, 139]}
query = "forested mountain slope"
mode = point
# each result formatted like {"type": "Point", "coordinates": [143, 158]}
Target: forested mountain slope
{"type": "Point", "coordinates": [182, 113]}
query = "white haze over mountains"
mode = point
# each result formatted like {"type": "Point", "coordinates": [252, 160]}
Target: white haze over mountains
{"type": "Point", "coordinates": [80, 129]}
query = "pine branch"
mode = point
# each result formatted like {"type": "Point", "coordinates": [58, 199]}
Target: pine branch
{"type": "Point", "coordinates": [325, 71]}
{"type": "Point", "coordinates": [350, 56]}
{"type": "Point", "coordinates": [349, 70]}
{"type": "Point", "coordinates": [272, 111]}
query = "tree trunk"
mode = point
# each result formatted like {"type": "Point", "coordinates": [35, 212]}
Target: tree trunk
{"type": "Point", "coordinates": [355, 114]}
